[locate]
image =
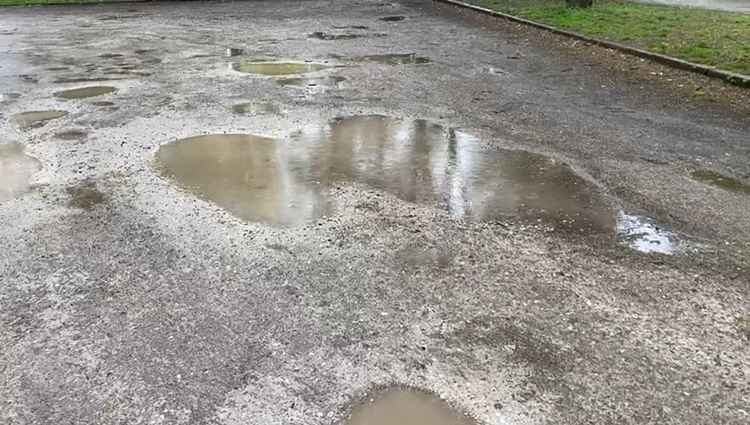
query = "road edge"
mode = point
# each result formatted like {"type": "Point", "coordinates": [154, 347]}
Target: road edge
{"type": "Point", "coordinates": [730, 77]}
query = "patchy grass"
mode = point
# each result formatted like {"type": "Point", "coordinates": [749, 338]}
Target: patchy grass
{"type": "Point", "coordinates": [714, 38]}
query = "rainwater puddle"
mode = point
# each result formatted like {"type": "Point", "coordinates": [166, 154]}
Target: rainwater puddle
{"type": "Point", "coordinates": [71, 134]}
{"type": "Point", "coordinates": [285, 182]}
{"type": "Point", "coordinates": [277, 68]}
{"type": "Point", "coordinates": [392, 18]}
{"type": "Point", "coordinates": [255, 108]}
{"type": "Point", "coordinates": [36, 118]}
{"type": "Point", "coordinates": [395, 59]}
{"type": "Point", "coordinates": [84, 92]}
{"type": "Point", "coordinates": [399, 406]}
{"type": "Point", "coordinates": [715, 179]}
{"type": "Point", "coordinates": [333, 37]}
{"type": "Point", "coordinates": [16, 170]}
{"type": "Point", "coordinates": [645, 235]}
{"type": "Point", "coordinates": [231, 51]}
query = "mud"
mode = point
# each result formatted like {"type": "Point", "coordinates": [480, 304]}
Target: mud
{"type": "Point", "coordinates": [85, 195]}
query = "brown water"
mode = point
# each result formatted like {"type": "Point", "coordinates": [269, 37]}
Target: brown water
{"type": "Point", "coordinates": [277, 68]}
{"type": "Point", "coordinates": [406, 407]}
{"type": "Point", "coordinates": [84, 92]}
{"type": "Point", "coordinates": [34, 118]}
{"type": "Point", "coordinates": [285, 182]}
{"type": "Point", "coordinates": [16, 170]}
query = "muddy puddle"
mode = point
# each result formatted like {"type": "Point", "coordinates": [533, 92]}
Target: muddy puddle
{"type": "Point", "coordinates": [395, 59]}
{"type": "Point", "coordinates": [645, 235]}
{"type": "Point", "coordinates": [85, 92]}
{"type": "Point", "coordinates": [405, 406]}
{"type": "Point", "coordinates": [257, 108]}
{"type": "Point", "coordinates": [85, 195]}
{"type": "Point", "coordinates": [73, 134]}
{"type": "Point", "coordinates": [36, 118]}
{"type": "Point", "coordinates": [285, 182]}
{"type": "Point", "coordinates": [277, 68]}
{"type": "Point", "coordinates": [392, 18]}
{"type": "Point", "coordinates": [16, 170]}
{"type": "Point", "coordinates": [721, 181]}
{"type": "Point", "coordinates": [325, 36]}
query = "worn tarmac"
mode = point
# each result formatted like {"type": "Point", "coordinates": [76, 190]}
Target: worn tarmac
{"type": "Point", "coordinates": [126, 298]}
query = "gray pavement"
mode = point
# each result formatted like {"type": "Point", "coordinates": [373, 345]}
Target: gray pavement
{"type": "Point", "coordinates": [127, 297]}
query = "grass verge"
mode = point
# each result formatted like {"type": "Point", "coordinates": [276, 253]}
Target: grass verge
{"type": "Point", "coordinates": [713, 38]}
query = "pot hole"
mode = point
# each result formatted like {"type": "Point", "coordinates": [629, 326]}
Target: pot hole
{"type": "Point", "coordinates": [392, 18]}
{"type": "Point", "coordinates": [71, 134]}
{"type": "Point", "coordinates": [332, 37]}
{"type": "Point", "coordinates": [395, 59]}
{"type": "Point", "coordinates": [721, 181]}
{"type": "Point", "coordinates": [255, 108]}
{"type": "Point", "coordinates": [277, 68]}
{"type": "Point", "coordinates": [406, 406]}
{"type": "Point", "coordinates": [85, 92]}
{"type": "Point", "coordinates": [16, 170]}
{"type": "Point", "coordinates": [85, 195]}
{"type": "Point", "coordinates": [285, 183]}
{"type": "Point", "coordinates": [36, 118]}
{"type": "Point", "coordinates": [645, 235]}
{"type": "Point", "coordinates": [231, 51]}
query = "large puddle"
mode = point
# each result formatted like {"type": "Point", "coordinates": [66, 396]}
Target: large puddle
{"type": "Point", "coordinates": [36, 118]}
{"type": "Point", "coordinates": [277, 68]}
{"type": "Point", "coordinates": [285, 182]}
{"type": "Point", "coordinates": [16, 170]}
{"type": "Point", "coordinates": [399, 406]}
{"type": "Point", "coordinates": [85, 92]}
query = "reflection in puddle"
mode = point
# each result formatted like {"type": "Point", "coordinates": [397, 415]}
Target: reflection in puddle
{"type": "Point", "coordinates": [715, 179]}
{"type": "Point", "coordinates": [260, 179]}
{"type": "Point", "coordinates": [645, 235]}
{"type": "Point", "coordinates": [399, 406]}
{"type": "Point", "coordinates": [16, 170]}
{"type": "Point", "coordinates": [232, 51]}
{"type": "Point", "coordinates": [84, 92]}
{"type": "Point", "coordinates": [34, 118]}
{"type": "Point", "coordinates": [395, 59]}
{"type": "Point", "coordinates": [277, 68]}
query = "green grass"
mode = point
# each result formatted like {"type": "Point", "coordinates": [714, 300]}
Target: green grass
{"type": "Point", "coordinates": [720, 39]}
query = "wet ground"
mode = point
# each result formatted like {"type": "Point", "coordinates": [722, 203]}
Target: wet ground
{"type": "Point", "coordinates": [741, 6]}
{"type": "Point", "coordinates": [298, 212]}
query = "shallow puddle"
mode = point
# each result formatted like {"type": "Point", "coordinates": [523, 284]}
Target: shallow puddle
{"type": "Point", "coordinates": [392, 18]}
{"type": "Point", "coordinates": [403, 406]}
{"type": "Point", "coordinates": [16, 170]}
{"type": "Point", "coordinates": [715, 179]}
{"type": "Point", "coordinates": [285, 182]}
{"type": "Point", "coordinates": [35, 118]}
{"type": "Point", "coordinates": [277, 68]}
{"type": "Point", "coordinates": [231, 51]}
{"type": "Point", "coordinates": [395, 59]}
{"type": "Point", "coordinates": [645, 235]}
{"type": "Point", "coordinates": [84, 92]}
{"type": "Point", "coordinates": [255, 108]}
{"type": "Point", "coordinates": [333, 37]}
{"type": "Point", "coordinates": [71, 134]}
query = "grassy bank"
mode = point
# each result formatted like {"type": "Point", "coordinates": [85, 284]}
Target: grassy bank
{"type": "Point", "coordinates": [720, 39]}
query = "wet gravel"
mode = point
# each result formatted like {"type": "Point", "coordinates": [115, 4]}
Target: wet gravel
{"type": "Point", "coordinates": [124, 299]}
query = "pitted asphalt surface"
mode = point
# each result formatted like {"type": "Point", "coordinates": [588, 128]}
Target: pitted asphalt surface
{"type": "Point", "coordinates": [126, 300]}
